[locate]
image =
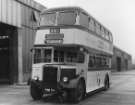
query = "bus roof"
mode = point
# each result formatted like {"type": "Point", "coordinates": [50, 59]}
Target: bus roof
{"type": "Point", "coordinates": [71, 8]}
{"type": "Point", "coordinates": [64, 9]}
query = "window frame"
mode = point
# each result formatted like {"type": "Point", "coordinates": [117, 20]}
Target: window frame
{"type": "Point", "coordinates": [100, 62]}
{"type": "Point", "coordinates": [43, 17]}
{"type": "Point", "coordinates": [91, 24]}
{"type": "Point", "coordinates": [83, 13]}
{"type": "Point", "coordinates": [66, 12]}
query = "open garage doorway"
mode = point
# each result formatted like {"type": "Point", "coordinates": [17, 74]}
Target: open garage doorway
{"type": "Point", "coordinates": [118, 60]}
{"type": "Point", "coordinates": [8, 48]}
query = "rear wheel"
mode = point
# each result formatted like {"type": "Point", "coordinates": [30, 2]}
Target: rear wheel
{"type": "Point", "coordinates": [78, 93]}
{"type": "Point", "coordinates": [106, 83]}
{"type": "Point", "coordinates": [35, 92]}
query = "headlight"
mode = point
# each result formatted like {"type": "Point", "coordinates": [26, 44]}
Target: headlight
{"type": "Point", "coordinates": [65, 79]}
{"type": "Point", "coordinates": [67, 74]}
{"type": "Point", "coordinates": [36, 78]}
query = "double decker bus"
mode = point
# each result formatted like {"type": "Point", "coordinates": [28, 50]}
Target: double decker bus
{"type": "Point", "coordinates": [71, 54]}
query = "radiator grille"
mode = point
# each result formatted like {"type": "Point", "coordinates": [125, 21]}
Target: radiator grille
{"type": "Point", "coordinates": [50, 77]}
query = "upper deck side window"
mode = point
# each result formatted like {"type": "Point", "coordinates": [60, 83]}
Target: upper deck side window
{"type": "Point", "coordinates": [111, 38]}
{"type": "Point", "coordinates": [102, 31]}
{"type": "Point", "coordinates": [105, 34]}
{"type": "Point", "coordinates": [91, 24]}
{"type": "Point", "coordinates": [97, 26]}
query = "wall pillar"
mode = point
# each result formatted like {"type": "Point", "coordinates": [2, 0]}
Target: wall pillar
{"type": "Point", "coordinates": [20, 57]}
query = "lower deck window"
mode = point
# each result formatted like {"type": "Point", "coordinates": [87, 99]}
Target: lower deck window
{"type": "Point", "coordinates": [68, 56]}
{"type": "Point", "coordinates": [98, 62]}
{"type": "Point", "coordinates": [58, 56]}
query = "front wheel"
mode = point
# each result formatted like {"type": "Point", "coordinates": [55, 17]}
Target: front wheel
{"type": "Point", "coordinates": [78, 93]}
{"type": "Point", "coordinates": [35, 92]}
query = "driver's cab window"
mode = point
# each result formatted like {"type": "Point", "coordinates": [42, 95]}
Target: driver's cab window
{"type": "Point", "coordinates": [37, 55]}
{"type": "Point", "coordinates": [47, 55]}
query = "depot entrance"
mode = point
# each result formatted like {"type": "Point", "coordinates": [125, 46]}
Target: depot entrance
{"type": "Point", "coordinates": [8, 48]}
{"type": "Point", "coordinates": [118, 60]}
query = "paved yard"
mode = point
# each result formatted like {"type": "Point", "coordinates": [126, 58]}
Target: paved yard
{"type": "Point", "coordinates": [122, 92]}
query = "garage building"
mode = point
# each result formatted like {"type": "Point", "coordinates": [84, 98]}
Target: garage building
{"type": "Point", "coordinates": [18, 19]}
{"type": "Point", "coordinates": [121, 60]}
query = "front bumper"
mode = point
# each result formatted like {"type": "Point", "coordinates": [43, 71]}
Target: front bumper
{"type": "Point", "coordinates": [59, 86]}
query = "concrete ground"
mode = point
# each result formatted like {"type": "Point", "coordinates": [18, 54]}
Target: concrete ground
{"type": "Point", "coordinates": [122, 92]}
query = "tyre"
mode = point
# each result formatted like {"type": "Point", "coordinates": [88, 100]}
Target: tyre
{"type": "Point", "coordinates": [106, 83]}
{"type": "Point", "coordinates": [78, 93]}
{"type": "Point", "coordinates": [35, 92]}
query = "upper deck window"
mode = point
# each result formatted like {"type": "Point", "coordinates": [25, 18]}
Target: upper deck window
{"type": "Point", "coordinates": [107, 35]}
{"type": "Point", "coordinates": [67, 18]}
{"type": "Point", "coordinates": [84, 20]}
{"type": "Point", "coordinates": [102, 31]}
{"type": "Point", "coordinates": [48, 19]}
{"type": "Point", "coordinates": [91, 24]}
{"type": "Point", "coordinates": [97, 28]}
{"type": "Point", "coordinates": [111, 39]}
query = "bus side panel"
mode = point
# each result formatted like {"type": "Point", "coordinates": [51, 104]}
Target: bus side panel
{"type": "Point", "coordinates": [91, 84]}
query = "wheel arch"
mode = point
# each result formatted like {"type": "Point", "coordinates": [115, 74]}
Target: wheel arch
{"type": "Point", "coordinates": [82, 79]}
{"type": "Point", "coordinates": [107, 78]}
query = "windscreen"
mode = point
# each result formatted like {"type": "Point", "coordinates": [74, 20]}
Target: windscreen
{"type": "Point", "coordinates": [59, 18]}
{"type": "Point", "coordinates": [67, 18]}
{"type": "Point", "coordinates": [48, 19]}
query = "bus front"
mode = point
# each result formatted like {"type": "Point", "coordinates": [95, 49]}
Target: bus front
{"type": "Point", "coordinates": [57, 64]}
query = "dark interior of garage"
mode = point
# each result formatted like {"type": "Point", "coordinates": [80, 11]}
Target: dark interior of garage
{"type": "Point", "coordinates": [118, 64]}
{"type": "Point", "coordinates": [8, 53]}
